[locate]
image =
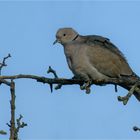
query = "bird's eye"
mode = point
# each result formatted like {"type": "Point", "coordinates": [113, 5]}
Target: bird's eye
{"type": "Point", "coordinates": [64, 34]}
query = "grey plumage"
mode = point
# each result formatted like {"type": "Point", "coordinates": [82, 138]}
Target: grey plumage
{"type": "Point", "coordinates": [93, 57]}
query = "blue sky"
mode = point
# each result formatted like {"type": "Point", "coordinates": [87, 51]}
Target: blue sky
{"type": "Point", "coordinates": [27, 31]}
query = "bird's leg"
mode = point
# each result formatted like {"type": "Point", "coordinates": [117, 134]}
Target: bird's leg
{"type": "Point", "coordinates": [86, 86]}
{"type": "Point", "coordinates": [127, 97]}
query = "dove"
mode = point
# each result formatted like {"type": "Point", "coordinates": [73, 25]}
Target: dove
{"type": "Point", "coordinates": [93, 57]}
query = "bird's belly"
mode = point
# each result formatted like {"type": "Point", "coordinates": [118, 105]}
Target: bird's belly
{"type": "Point", "coordinates": [82, 68]}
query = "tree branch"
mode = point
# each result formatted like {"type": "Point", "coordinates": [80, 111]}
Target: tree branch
{"type": "Point", "coordinates": [2, 81]}
{"type": "Point", "coordinates": [19, 125]}
{"type": "Point", "coordinates": [3, 64]}
{"type": "Point", "coordinates": [125, 82]}
{"type": "Point", "coordinates": [50, 70]}
{"type": "Point", "coordinates": [13, 129]}
{"type": "Point", "coordinates": [2, 132]}
{"type": "Point", "coordinates": [12, 103]}
{"type": "Point", "coordinates": [135, 128]}
{"type": "Point", "coordinates": [65, 81]}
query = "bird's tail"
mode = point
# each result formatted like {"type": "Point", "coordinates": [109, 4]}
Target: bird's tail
{"type": "Point", "coordinates": [130, 82]}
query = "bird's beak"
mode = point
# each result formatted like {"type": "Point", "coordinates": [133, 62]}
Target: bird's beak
{"type": "Point", "coordinates": [56, 41]}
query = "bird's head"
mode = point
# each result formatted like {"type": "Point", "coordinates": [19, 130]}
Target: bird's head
{"type": "Point", "coordinates": [65, 35]}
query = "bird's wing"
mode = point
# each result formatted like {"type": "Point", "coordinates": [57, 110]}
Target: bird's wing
{"type": "Point", "coordinates": [105, 42]}
{"type": "Point", "coordinates": [106, 57]}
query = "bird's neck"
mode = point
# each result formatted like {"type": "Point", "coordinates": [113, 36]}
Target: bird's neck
{"type": "Point", "coordinates": [79, 39]}
{"type": "Point", "coordinates": [75, 38]}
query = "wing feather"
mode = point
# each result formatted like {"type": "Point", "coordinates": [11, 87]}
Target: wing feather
{"type": "Point", "coordinates": [106, 57]}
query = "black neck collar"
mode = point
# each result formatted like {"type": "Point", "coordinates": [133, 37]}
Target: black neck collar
{"type": "Point", "coordinates": [75, 37]}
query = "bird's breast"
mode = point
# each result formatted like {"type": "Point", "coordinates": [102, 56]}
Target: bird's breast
{"type": "Point", "coordinates": [76, 54]}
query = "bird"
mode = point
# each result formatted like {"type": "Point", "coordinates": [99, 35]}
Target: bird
{"type": "Point", "coordinates": [94, 57]}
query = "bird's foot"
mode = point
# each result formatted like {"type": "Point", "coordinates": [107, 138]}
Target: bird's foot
{"type": "Point", "coordinates": [86, 86]}
{"type": "Point", "coordinates": [127, 97]}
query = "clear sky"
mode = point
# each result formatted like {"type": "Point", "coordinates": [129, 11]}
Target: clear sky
{"type": "Point", "coordinates": [27, 31]}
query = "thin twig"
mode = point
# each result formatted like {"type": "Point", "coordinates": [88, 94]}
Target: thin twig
{"type": "Point", "coordinates": [116, 89]}
{"type": "Point", "coordinates": [50, 70]}
{"type": "Point", "coordinates": [2, 81]}
{"type": "Point", "coordinates": [58, 86]}
{"type": "Point", "coordinates": [2, 132]}
{"type": "Point", "coordinates": [19, 126]}
{"type": "Point", "coordinates": [3, 64]}
{"type": "Point", "coordinates": [127, 97]}
{"type": "Point", "coordinates": [135, 128]}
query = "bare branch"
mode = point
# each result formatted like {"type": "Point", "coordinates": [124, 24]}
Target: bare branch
{"type": "Point", "coordinates": [58, 86]}
{"type": "Point", "coordinates": [19, 126]}
{"type": "Point", "coordinates": [12, 103]}
{"type": "Point", "coordinates": [50, 70]}
{"type": "Point", "coordinates": [135, 128]}
{"type": "Point", "coordinates": [116, 90]}
{"type": "Point", "coordinates": [2, 81]}
{"type": "Point", "coordinates": [127, 97]}
{"type": "Point", "coordinates": [44, 80]}
{"type": "Point", "coordinates": [3, 64]}
{"type": "Point", "coordinates": [65, 81]}
{"type": "Point", "coordinates": [124, 82]}
{"type": "Point", "coordinates": [2, 132]}
{"type": "Point", "coordinates": [13, 129]}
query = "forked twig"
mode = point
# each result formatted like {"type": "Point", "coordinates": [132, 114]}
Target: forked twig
{"type": "Point", "coordinates": [127, 97]}
{"type": "Point", "coordinates": [3, 64]}
{"type": "Point", "coordinates": [50, 70]}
